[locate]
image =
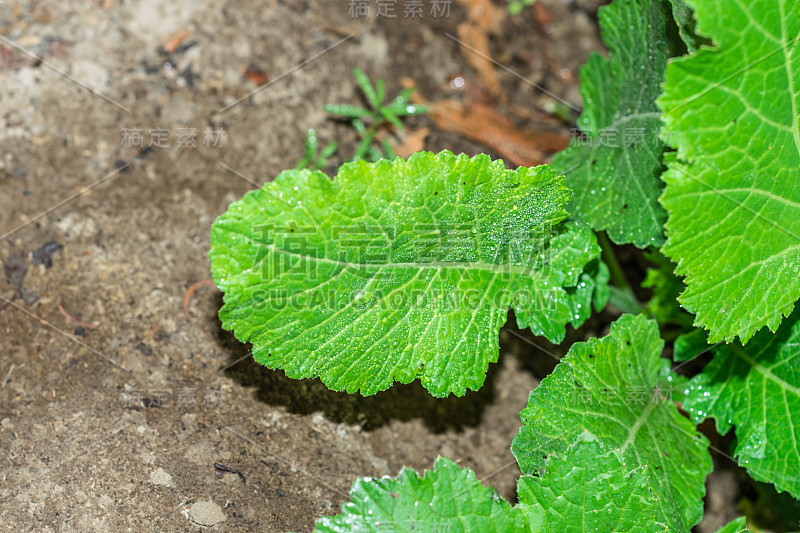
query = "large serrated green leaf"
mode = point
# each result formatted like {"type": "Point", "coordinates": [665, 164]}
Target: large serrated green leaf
{"type": "Point", "coordinates": [732, 194]}
{"type": "Point", "coordinates": [589, 489]}
{"type": "Point", "coordinates": [444, 499]}
{"type": "Point", "coordinates": [584, 489]}
{"type": "Point", "coordinates": [615, 170]}
{"type": "Point", "coordinates": [756, 388]}
{"type": "Point", "coordinates": [611, 388]}
{"type": "Point", "coordinates": [398, 270]}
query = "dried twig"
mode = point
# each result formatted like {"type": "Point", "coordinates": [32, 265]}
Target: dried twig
{"type": "Point", "coordinates": [190, 292]}
{"type": "Point", "coordinates": [79, 322]}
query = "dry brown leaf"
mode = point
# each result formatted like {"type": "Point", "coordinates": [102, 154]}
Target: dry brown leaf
{"type": "Point", "coordinates": [475, 38]}
{"type": "Point", "coordinates": [484, 124]}
{"type": "Point", "coordinates": [485, 15]}
{"type": "Point", "coordinates": [543, 15]}
{"type": "Point", "coordinates": [483, 20]}
{"type": "Point", "coordinates": [411, 142]}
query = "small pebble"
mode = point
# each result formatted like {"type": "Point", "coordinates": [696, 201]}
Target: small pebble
{"type": "Point", "coordinates": [206, 513]}
{"type": "Point", "coordinates": [160, 477]}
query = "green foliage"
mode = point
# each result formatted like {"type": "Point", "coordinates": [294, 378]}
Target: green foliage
{"type": "Point", "coordinates": [756, 387]}
{"type": "Point", "coordinates": [515, 7]}
{"type": "Point", "coordinates": [615, 169]}
{"type": "Point", "coordinates": [737, 526]}
{"type": "Point", "coordinates": [684, 18]}
{"type": "Point", "coordinates": [406, 269]}
{"type": "Point", "coordinates": [617, 388]}
{"type": "Point", "coordinates": [585, 485]}
{"type": "Point", "coordinates": [666, 287]}
{"type": "Point", "coordinates": [589, 486]}
{"type": "Point", "coordinates": [444, 499]}
{"type": "Point", "coordinates": [314, 158]}
{"type": "Point", "coordinates": [369, 121]}
{"type": "Point", "coordinates": [401, 270]}
{"type": "Point", "coordinates": [732, 196]}
{"type": "Point", "coordinates": [690, 345]}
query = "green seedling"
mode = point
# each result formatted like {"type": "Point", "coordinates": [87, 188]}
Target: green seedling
{"type": "Point", "coordinates": [370, 121]}
{"type": "Point", "coordinates": [314, 158]}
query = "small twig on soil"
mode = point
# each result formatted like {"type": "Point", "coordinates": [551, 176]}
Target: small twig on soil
{"type": "Point", "coordinates": [10, 370]}
{"type": "Point", "coordinates": [9, 300]}
{"type": "Point", "coordinates": [79, 322]}
{"type": "Point", "coordinates": [175, 40]}
{"type": "Point", "coordinates": [183, 503]}
{"type": "Point", "coordinates": [190, 292]}
{"type": "Point", "coordinates": [221, 469]}
{"type": "Point", "coordinates": [71, 337]}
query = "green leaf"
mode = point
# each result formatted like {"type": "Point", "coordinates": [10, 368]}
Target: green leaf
{"type": "Point", "coordinates": [684, 18]}
{"type": "Point", "coordinates": [401, 107]}
{"type": "Point", "coordinates": [349, 111]}
{"type": "Point", "coordinates": [690, 345]}
{"type": "Point", "coordinates": [401, 100]}
{"type": "Point", "coordinates": [328, 151]}
{"type": "Point", "coordinates": [615, 170]}
{"type": "Point", "coordinates": [387, 150]}
{"type": "Point", "coordinates": [444, 499]}
{"type": "Point", "coordinates": [364, 147]}
{"type": "Point", "coordinates": [737, 526]}
{"type": "Point", "coordinates": [400, 270]}
{"type": "Point", "coordinates": [610, 387]}
{"type": "Point", "coordinates": [566, 295]}
{"type": "Point", "coordinates": [366, 87]}
{"type": "Point", "coordinates": [732, 194]}
{"type": "Point", "coordinates": [601, 277]}
{"type": "Point", "coordinates": [588, 489]}
{"type": "Point", "coordinates": [389, 115]}
{"type": "Point", "coordinates": [314, 158]}
{"type": "Point", "coordinates": [666, 287]}
{"type": "Point", "coordinates": [756, 388]}
{"type": "Point", "coordinates": [379, 89]}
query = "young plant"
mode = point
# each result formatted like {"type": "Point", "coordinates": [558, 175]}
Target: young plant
{"type": "Point", "coordinates": [515, 7]}
{"type": "Point", "coordinates": [369, 122]}
{"type": "Point", "coordinates": [316, 159]}
{"type": "Point", "coordinates": [405, 269]}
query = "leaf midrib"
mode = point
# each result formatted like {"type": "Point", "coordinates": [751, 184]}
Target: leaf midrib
{"type": "Point", "coordinates": [438, 265]}
{"type": "Point", "coordinates": [766, 372]}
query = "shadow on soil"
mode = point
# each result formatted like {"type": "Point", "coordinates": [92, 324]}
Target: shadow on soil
{"type": "Point", "coordinates": [401, 402]}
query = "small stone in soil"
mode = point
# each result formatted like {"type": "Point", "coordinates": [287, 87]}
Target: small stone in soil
{"type": "Point", "coordinates": [144, 349]}
{"type": "Point", "coordinates": [29, 296]}
{"type": "Point", "coordinates": [206, 513]}
{"type": "Point", "coordinates": [160, 477]}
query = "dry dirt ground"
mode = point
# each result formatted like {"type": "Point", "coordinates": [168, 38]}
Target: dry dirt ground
{"type": "Point", "coordinates": [116, 424]}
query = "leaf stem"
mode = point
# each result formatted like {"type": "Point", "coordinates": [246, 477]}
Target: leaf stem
{"type": "Point", "coordinates": [624, 301]}
{"type": "Point", "coordinates": [621, 295]}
